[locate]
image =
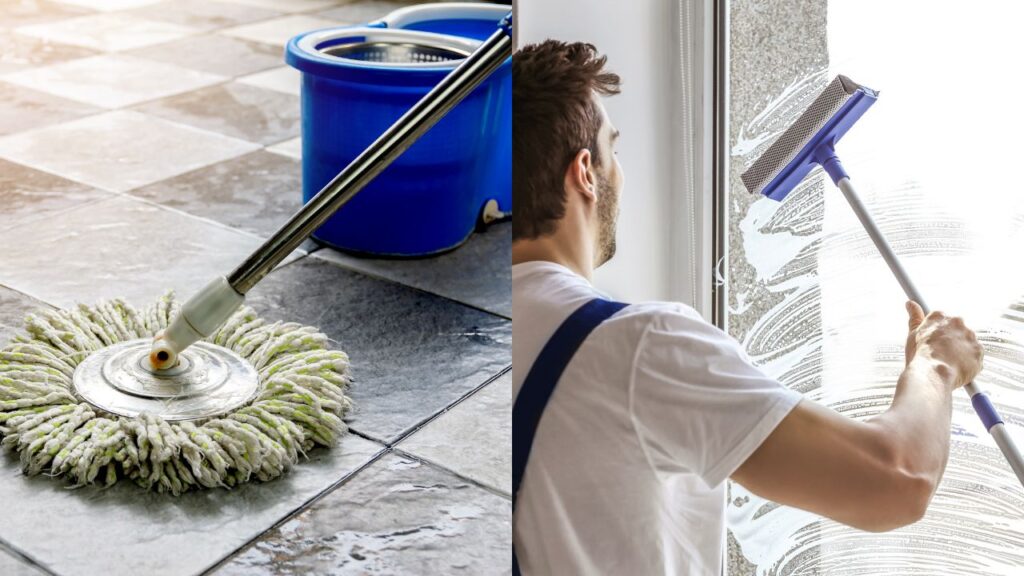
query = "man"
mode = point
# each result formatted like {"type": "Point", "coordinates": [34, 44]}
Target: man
{"type": "Point", "coordinates": [656, 408]}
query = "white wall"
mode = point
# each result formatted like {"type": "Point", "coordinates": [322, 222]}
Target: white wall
{"type": "Point", "coordinates": [641, 40]}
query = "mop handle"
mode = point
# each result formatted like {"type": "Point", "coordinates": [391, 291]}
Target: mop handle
{"type": "Point", "coordinates": [389, 146]}
{"type": "Point", "coordinates": [982, 405]}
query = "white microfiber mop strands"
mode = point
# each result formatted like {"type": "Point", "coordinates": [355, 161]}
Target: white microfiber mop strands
{"type": "Point", "coordinates": [299, 403]}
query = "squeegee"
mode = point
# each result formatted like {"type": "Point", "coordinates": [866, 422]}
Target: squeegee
{"type": "Point", "coordinates": [811, 142]}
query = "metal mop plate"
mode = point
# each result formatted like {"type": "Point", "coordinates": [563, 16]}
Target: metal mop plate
{"type": "Point", "coordinates": [208, 380]}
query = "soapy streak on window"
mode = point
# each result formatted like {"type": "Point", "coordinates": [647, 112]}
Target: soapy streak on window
{"type": "Point", "coordinates": [934, 161]}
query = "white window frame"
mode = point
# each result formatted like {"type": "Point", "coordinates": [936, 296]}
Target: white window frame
{"type": "Point", "coordinates": [700, 205]}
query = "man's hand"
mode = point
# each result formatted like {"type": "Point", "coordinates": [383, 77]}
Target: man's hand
{"type": "Point", "coordinates": [945, 342]}
{"type": "Point", "coordinates": [880, 473]}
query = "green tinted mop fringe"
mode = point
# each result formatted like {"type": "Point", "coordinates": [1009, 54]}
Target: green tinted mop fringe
{"type": "Point", "coordinates": [300, 403]}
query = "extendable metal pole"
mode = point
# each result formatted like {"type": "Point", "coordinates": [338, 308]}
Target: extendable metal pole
{"type": "Point", "coordinates": [982, 405]}
{"type": "Point", "coordinates": [208, 309]}
{"type": "Point", "coordinates": [420, 118]}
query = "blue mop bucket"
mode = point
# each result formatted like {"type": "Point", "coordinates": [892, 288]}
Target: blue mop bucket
{"type": "Point", "coordinates": [356, 82]}
{"type": "Point", "coordinates": [476, 21]}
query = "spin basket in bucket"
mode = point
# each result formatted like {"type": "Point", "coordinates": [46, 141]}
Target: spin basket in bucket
{"type": "Point", "coordinates": [356, 82]}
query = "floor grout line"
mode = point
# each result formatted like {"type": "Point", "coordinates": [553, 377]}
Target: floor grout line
{"type": "Point", "coordinates": [36, 218]}
{"type": "Point", "coordinates": [111, 110]}
{"type": "Point", "coordinates": [426, 421]}
{"type": "Point", "coordinates": [29, 296]}
{"type": "Point", "coordinates": [16, 553]}
{"type": "Point", "coordinates": [205, 219]}
{"type": "Point", "coordinates": [100, 110]}
{"type": "Point", "coordinates": [452, 471]}
{"type": "Point", "coordinates": [5, 284]}
{"type": "Point", "coordinates": [302, 254]}
{"type": "Point", "coordinates": [378, 276]}
{"type": "Point", "coordinates": [385, 450]}
{"type": "Point", "coordinates": [304, 507]}
{"type": "Point", "coordinates": [114, 195]}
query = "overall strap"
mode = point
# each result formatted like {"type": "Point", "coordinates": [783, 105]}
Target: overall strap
{"type": "Point", "coordinates": [541, 380]}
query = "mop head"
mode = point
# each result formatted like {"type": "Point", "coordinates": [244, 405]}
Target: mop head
{"type": "Point", "coordinates": [299, 403]}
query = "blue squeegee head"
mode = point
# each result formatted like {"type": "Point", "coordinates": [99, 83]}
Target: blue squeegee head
{"type": "Point", "coordinates": [792, 156]}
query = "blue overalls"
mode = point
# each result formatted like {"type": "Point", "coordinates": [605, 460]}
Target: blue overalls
{"type": "Point", "coordinates": [540, 383]}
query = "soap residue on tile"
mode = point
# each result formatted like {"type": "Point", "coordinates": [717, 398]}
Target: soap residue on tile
{"type": "Point", "coordinates": [836, 326]}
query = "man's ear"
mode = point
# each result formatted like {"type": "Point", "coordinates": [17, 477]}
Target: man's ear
{"type": "Point", "coordinates": [579, 176]}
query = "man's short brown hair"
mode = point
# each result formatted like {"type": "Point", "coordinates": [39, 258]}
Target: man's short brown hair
{"type": "Point", "coordinates": [554, 117]}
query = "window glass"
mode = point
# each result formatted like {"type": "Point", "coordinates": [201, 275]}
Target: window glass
{"type": "Point", "coordinates": [815, 306]}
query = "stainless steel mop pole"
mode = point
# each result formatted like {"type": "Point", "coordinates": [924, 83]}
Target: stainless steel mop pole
{"type": "Point", "coordinates": [213, 305]}
{"type": "Point", "coordinates": [982, 405]}
{"type": "Point", "coordinates": [373, 160]}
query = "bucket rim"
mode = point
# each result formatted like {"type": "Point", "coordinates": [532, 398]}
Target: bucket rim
{"type": "Point", "coordinates": [307, 48]}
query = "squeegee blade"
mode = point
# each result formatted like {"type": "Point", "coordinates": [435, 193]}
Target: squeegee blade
{"type": "Point", "coordinates": [788, 160]}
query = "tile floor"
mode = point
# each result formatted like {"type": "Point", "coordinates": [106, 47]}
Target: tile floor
{"type": "Point", "coordinates": [132, 129]}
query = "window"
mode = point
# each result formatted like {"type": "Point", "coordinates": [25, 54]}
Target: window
{"type": "Point", "coordinates": [815, 306]}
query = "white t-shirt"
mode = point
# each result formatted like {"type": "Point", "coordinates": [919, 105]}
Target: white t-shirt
{"type": "Point", "coordinates": [656, 409]}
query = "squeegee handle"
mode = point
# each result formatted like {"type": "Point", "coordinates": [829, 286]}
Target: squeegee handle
{"type": "Point", "coordinates": [979, 400]}
{"type": "Point", "coordinates": [389, 146]}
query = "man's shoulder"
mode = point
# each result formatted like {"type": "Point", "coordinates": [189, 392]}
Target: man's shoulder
{"type": "Point", "coordinates": [659, 312]}
{"type": "Point", "coordinates": [636, 319]}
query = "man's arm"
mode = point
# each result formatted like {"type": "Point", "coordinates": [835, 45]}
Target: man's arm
{"type": "Point", "coordinates": [878, 474]}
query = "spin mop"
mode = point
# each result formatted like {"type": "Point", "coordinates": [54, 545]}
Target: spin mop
{"type": "Point", "coordinates": [207, 394]}
{"type": "Point", "coordinates": [810, 142]}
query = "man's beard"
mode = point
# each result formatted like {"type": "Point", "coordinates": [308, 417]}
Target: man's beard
{"type": "Point", "coordinates": [607, 214]}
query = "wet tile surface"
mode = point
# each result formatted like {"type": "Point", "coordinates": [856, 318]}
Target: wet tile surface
{"type": "Point", "coordinates": [364, 11]}
{"type": "Point", "coordinates": [232, 109]}
{"type": "Point", "coordinates": [127, 531]}
{"type": "Point", "coordinates": [202, 14]}
{"type": "Point", "coordinates": [486, 416]}
{"type": "Point", "coordinates": [18, 52]}
{"type": "Point", "coordinates": [287, 5]}
{"type": "Point", "coordinates": [119, 247]}
{"type": "Point", "coordinates": [478, 273]}
{"type": "Point", "coordinates": [14, 306]}
{"type": "Point", "coordinates": [11, 565]}
{"type": "Point", "coordinates": [28, 195]}
{"type": "Point", "coordinates": [413, 354]}
{"type": "Point", "coordinates": [119, 150]}
{"type": "Point", "coordinates": [109, 5]}
{"type": "Point", "coordinates": [399, 516]}
{"type": "Point", "coordinates": [25, 109]}
{"type": "Point", "coordinates": [256, 192]}
{"type": "Point", "coordinates": [284, 79]}
{"type": "Point", "coordinates": [17, 13]}
{"type": "Point", "coordinates": [290, 148]}
{"type": "Point", "coordinates": [106, 31]}
{"type": "Point", "coordinates": [97, 201]}
{"type": "Point", "coordinates": [215, 54]}
{"type": "Point", "coordinates": [278, 31]}
{"type": "Point", "coordinates": [113, 80]}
